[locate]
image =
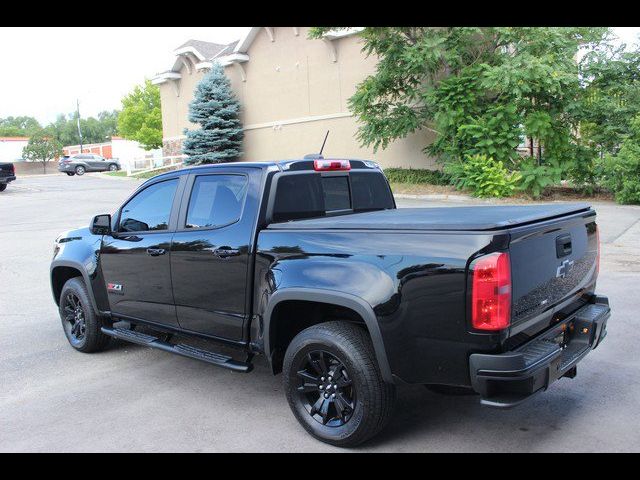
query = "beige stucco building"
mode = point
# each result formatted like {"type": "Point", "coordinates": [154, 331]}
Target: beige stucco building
{"type": "Point", "coordinates": [292, 90]}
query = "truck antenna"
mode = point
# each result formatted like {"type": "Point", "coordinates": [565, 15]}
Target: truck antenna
{"type": "Point", "coordinates": [325, 141]}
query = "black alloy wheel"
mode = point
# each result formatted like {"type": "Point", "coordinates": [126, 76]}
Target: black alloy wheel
{"type": "Point", "coordinates": [326, 389]}
{"type": "Point", "coordinates": [74, 322]}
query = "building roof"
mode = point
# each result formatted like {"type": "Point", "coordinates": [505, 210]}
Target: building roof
{"type": "Point", "coordinates": [201, 54]}
{"type": "Point", "coordinates": [206, 50]}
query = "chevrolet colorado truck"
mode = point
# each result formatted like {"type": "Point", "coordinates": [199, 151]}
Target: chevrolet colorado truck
{"type": "Point", "coordinates": [7, 174]}
{"type": "Point", "coordinates": [310, 263]}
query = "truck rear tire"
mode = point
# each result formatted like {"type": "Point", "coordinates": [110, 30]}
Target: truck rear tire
{"type": "Point", "coordinates": [3, 187]}
{"type": "Point", "coordinates": [80, 322]}
{"type": "Point", "coordinates": [334, 386]}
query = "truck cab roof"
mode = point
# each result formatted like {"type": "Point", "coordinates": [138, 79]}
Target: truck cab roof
{"type": "Point", "coordinates": [299, 164]}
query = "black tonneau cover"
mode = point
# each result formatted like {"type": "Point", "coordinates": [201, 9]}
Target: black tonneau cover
{"type": "Point", "coordinates": [490, 217]}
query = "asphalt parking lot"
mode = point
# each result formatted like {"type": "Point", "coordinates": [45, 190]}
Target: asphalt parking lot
{"type": "Point", "coordinates": [132, 398]}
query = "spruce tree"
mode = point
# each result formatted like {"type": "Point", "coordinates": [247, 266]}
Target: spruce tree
{"type": "Point", "coordinates": [215, 108]}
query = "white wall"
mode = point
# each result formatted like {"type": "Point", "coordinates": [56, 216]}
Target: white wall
{"type": "Point", "coordinates": [11, 150]}
{"type": "Point", "coordinates": [127, 151]}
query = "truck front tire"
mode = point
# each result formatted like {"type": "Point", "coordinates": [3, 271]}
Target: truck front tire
{"type": "Point", "coordinates": [3, 187]}
{"type": "Point", "coordinates": [80, 322]}
{"type": "Point", "coordinates": [334, 386]}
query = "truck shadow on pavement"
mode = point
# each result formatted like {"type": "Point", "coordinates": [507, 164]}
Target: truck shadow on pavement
{"type": "Point", "coordinates": [433, 421]}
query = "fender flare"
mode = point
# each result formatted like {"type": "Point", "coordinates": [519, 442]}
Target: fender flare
{"type": "Point", "coordinates": [357, 304]}
{"type": "Point", "coordinates": [85, 277]}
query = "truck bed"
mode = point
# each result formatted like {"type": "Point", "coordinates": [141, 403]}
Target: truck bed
{"type": "Point", "coordinates": [476, 218]}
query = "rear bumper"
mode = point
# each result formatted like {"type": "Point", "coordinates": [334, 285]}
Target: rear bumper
{"type": "Point", "coordinates": [510, 378]}
{"type": "Point", "coordinates": [66, 167]}
{"type": "Point", "coordinates": [8, 179]}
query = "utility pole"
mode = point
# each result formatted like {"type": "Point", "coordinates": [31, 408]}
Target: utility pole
{"type": "Point", "coordinates": [79, 131]}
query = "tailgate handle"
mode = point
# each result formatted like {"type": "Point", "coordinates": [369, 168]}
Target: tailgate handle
{"type": "Point", "coordinates": [563, 245]}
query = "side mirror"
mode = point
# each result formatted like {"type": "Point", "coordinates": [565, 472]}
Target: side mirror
{"type": "Point", "coordinates": [101, 225]}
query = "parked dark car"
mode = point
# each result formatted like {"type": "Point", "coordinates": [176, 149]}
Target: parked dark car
{"type": "Point", "coordinates": [7, 174]}
{"type": "Point", "coordinates": [310, 264]}
{"type": "Point", "coordinates": [87, 162]}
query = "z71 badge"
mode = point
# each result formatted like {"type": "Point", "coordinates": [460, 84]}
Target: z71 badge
{"type": "Point", "coordinates": [115, 288]}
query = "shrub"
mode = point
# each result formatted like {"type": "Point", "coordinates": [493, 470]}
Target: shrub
{"type": "Point", "coordinates": [534, 178]}
{"type": "Point", "coordinates": [483, 176]}
{"type": "Point", "coordinates": [621, 173]}
{"type": "Point", "coordinates": [410, 175]}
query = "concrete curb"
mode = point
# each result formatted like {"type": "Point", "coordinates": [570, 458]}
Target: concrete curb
{"type": "Point", "coordinates": [439, 196]}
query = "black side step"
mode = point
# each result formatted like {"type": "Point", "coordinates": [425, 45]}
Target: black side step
{"type": "Point", "coordinates": [179, 349]}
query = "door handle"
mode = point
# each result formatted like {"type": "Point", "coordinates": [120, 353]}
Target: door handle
{"type": "Point", "coordinates": [154, 252]}
{"type": "Point", "coordinates": [226, 252]}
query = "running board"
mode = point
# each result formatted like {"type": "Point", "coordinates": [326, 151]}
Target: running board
{"type": "Point", "coordinates": [179, 349]}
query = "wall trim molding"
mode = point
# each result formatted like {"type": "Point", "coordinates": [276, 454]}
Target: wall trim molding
{"type": "Point", "coordinates": [177, 137]}
{"type": "Point", "coordinates": [279, 123]}
{"type": "Point", "coordinates": [293, 121]}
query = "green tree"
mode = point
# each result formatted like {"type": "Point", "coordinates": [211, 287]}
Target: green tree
{"type": "Point", "coordinates": [22, 126]}
{"type": "Point", "coordinates": [611, 97]}
{"type": "Point", "coordinates": [481, 89]}
{"type": "Point", "coordinates": [42, 148]}
{"type": "Point", "coordinates": [621, 172]}
{"type": "Point", "coordinates": [215, 108]}
{"type": "Point", "coordinates": [141, 117]}
{"type": "Point", "coordinates": [94, 130]}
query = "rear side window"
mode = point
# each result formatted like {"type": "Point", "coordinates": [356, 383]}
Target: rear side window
{"type": "Point", "coordinates": [370, 192]}
{"type": "Point", "coordinates": [298, 196]}
{"type": "Point", "coordinates": [336, 193]}
{"type": "Point", "coordinates": [216, 200]}
{"type": "Point", "coordinates": [313, 195]}
{"type": "Point", "coordinates": [150, 209]}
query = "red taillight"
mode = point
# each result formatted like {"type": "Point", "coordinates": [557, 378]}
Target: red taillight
{"type": "Point", "coordinates": [322, 165]}
{"type": "Point", "coordinates": [491, 292]}
{"type": "Point", "coordinates": [598, 251]}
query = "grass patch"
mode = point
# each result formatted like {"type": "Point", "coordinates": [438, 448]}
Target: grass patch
{"type": "Point", "coordinates": [416, 176]}
{"type": "Point", "coordinates": [143, 175]}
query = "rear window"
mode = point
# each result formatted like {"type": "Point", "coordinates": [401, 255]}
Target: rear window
{"type": "Point", "coordinates": [313, 195]}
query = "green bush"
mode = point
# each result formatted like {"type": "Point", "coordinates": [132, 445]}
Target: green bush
{"type": "Point", "coordinates": [483, 176]}
{"type": "Point", "coordinates": [621, 173]}
{"type": "Point", "coordinates": [535, 178]}
{"type": "Point", "coordinates": [410, 175]}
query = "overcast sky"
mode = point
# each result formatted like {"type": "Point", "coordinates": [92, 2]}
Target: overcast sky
{"type": "Point", "coordinates": [44, 70]}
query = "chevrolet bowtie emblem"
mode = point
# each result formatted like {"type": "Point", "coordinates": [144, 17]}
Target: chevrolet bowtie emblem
{"type": "Point", "coordinates": [564, 269]}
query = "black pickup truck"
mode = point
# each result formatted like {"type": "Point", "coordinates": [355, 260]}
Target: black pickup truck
{"type": "Point", "coordinates": [7, 174]}
{"type": "Point", "coordinates": [309, 263]}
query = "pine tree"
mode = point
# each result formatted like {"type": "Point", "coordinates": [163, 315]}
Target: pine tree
{"type": "Point", "coordinates": [215, 108]}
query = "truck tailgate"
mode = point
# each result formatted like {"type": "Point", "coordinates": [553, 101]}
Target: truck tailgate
{"type": "Point", "coordinates": [553, 265]}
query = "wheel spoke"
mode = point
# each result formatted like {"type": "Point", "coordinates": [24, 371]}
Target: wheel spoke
{"type": "Point", "coordinates": [343, 382]}
{"type": "Point", "coordinates": [317, 406]}
{"type": "Point", "coordinates": [340, 406]}
{"type": "Point", "coordinates": [308, 377]}
{"type": "Point", "coordinates": [314, 364]}
{"type": "Point", "coordinates": [323, 363]}
{"type": "Point", "coordinates": [348, 407]}
{"type": "Point", "coordinates": [324, 411]}
{"type": "Point", "coordinates": [72, 301]}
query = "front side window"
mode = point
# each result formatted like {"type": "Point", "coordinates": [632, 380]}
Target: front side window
{"type": "Point", "coordinates": [150, 209]}
{"type": "Point", "coordinates": [216, 200]}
